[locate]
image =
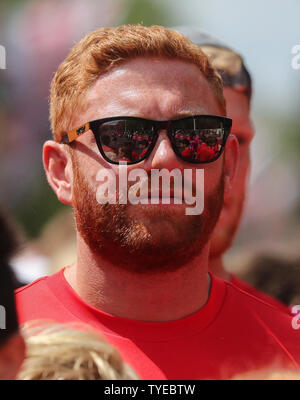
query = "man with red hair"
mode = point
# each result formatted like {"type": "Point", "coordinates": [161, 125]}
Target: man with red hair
{"type": "Point", "coordinates": [141, 274]}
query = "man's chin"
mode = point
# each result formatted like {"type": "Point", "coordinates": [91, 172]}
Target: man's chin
{"type": "Point", "coordinates": [162, 222]}
{"type": "Point", "coordinates": [159, 245]}
{"type": "Point", "coordinates": [143, 238]}
{"type": "Point", "coordinates": [148, 258]}
{"type": "Point", "coordinates": [145, 211]}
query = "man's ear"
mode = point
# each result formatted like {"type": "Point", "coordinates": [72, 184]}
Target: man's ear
{"type": "Point", "coordinates": [231, 159]}
{"type": "Point", "coordinates": [58, 167]}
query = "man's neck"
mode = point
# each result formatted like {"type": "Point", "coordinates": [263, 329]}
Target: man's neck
{"type": "Point", "coordinates": [217, 268]}
{"type": "Point", "coordinates": [146, 297]}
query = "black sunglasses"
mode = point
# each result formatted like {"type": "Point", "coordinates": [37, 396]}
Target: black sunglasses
{"type": "Point", "coordinates": [196, 139]}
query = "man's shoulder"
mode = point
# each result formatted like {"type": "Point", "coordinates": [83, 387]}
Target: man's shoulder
{"type": "Point", "coordinates": [36, 300]}
{"type": "Point", "coordinates": [266, 326]}
{"type": "Point", "coordinates": [246, 287]}
{"type": "Point", "coordinates": [249, 298]}
{"type": "Point", "coordinates": [39, 285]}
{"type": "Point", "coordinates": [240, 306]}
{"type": "Point", "coordinates": [258, 312]}
{"type": "Point", "coordinates": [30, 287]}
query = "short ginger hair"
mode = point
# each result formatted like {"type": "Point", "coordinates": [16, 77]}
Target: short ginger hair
{"type": "Point", "coordinates": [102, 50]}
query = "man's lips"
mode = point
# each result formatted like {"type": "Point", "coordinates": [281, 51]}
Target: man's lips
{"type": "Point", "coordinates": [176, 194]}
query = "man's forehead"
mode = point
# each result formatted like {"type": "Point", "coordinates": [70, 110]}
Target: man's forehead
{"type": "Point", "coordinates": [138, 65]}
{"type": "Point", "coordinates": [148, 73]}
{"type": "Point", "coordinates": [150, 85]}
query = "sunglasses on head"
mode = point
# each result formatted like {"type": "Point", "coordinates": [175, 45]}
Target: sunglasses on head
{"type": "Point", "coordinates": [195, 139]}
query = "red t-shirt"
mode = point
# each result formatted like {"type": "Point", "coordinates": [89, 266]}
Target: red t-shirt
{"type": "Point", "coordinates": [263, 296]}
{"type": "Point", "coordinates": [233, 333]}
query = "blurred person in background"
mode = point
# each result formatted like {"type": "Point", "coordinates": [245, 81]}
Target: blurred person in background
{"type": "Point", "coordinates": [69, 352]}
{"type": "Point", "coordinates": [275, 275]}
{"type": "Point", "coordinates": [141, 275]}
{"type": "Point", "coordinates": [237, 91]}
{"type": "Point", "coordinates": [12, 348]}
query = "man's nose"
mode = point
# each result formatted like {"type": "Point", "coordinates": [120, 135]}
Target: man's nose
{"type": "Point", "coordinates": [163, 155]}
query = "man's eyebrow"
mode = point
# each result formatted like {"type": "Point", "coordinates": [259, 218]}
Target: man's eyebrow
{"type": "Point", "coordinates": [192, 111]}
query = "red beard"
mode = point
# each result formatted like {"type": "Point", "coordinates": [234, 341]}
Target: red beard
{"type": "Point", "coordinates": [147, 239]}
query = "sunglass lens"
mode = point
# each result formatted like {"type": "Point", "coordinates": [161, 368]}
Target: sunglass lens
{"type": "Point", "coordinates": [126, 140]}
{"type": "Point", "coordinates": [197, 140]}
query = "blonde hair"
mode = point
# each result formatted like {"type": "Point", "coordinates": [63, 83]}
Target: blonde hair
{"type": "Point", "coordinates": [270, 374]}
{"type": "Point", "coordinates": [104, 49]}
{"type": "Point", "coordinates": [69, 352]}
